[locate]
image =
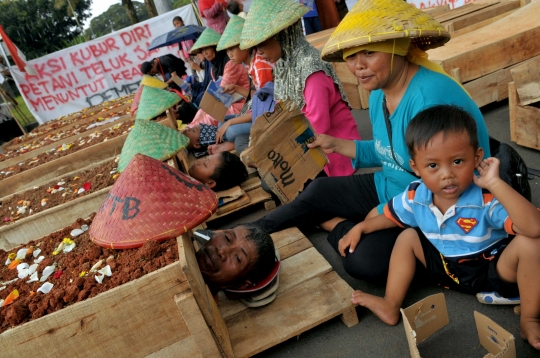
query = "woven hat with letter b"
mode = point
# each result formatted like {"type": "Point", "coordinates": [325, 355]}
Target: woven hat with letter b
{"type": "Point", "coordinates": [150, 201]}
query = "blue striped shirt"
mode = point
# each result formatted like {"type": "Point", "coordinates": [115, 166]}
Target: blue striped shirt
{"type": "Point", "coordinates": [475, 224]}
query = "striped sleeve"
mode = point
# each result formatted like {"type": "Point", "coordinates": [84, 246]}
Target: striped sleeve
{"type": "Point", "coordinates": [399, 209]}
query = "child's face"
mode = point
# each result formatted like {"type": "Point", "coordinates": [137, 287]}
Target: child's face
{"type": "Point", "coordinates": [177, 23]}
{"type": "Point", "coordinates": [446, 165]}
{"type": "Point", "coordinates": [193, 134]}
{"type": "Point", "coordinates": [236, 55]}
{"type": "Point", "coordinates": [204, 168]}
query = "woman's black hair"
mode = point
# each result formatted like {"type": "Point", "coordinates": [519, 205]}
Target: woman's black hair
{"type": "Point", "coordinates": [234, 7]}
{"type": "Point", "coordinates": [231, 172]}
{"type": "Point", "coordinates": [177, 18]}
{"type": "Point", "coordinates": [266, 254]}
{"type": "Point", "coordinates": [434, 120]}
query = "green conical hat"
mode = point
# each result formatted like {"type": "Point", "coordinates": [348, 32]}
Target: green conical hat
{"type": "Point", "coordinates": [232, 33]}
{"type": "Point", "coordinates": [266, 18]}
{"type": "Point", "coordinates": [152, 139]}
{"type": "Point", "coordinates": [155, 101]}
{"type": "Point", "coordinates": [208, 38]}
{"type": "Point", "coordinates": [153, 82]}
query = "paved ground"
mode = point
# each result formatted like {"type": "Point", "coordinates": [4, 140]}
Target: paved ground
{"type": "Point", "coordinates": [372, 338]}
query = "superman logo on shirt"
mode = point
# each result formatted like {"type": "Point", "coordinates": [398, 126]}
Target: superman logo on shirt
{"type": "Point", "coordinates": [467, 224]}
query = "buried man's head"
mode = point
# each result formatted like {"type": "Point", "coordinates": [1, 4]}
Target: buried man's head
{"type": "Point", "coordinates": [219, 171]}
{"type": "Point", "coordinates": [237, 258]}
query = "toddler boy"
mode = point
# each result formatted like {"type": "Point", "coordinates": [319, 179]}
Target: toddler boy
{"type": "Point", "coordinates": [457, 224]}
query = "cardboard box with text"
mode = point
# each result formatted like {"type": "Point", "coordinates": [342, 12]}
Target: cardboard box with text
{"type": "Point", "coordinates": [429, 315]}
{"type": "Point", "coordinates": [278, 147]}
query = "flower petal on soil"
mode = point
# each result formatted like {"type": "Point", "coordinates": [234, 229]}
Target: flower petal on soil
{"type": "Point", "coordinates": [8, 261]}
{"type": "Point", "coordinates": [87, 186]}
{"type": "Point", "coordinates": [36, 252]}
{"type": "Point", "coordinates": [99, 278]}
{"type": "Point", "coordinates": [47, 271]}
{"type": "Point", "coordinates": [106, 271]}
{"type": "Point", "coordinates": [39, 259]}
{"type": "Point", "coordinates": [14, 264]}
{"type": "Point", "coordinates": [45, 288]}
{"type": "Point", "coordinates": [10, 298]}
{"type": "Point", "coordinates": [33, 278]}
{"type": "Point", "coordinates": [76, 232]}
{"type": "Point", "coordinates": [70, 247]}
{"type": "Point", "coordinates": [84, 227]}
{"type": "Point", "coordinates": [21, 254]}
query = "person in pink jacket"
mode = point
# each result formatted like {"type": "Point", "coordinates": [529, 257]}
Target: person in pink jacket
{"type": "Point", "coordinates": [215, 14]}
{"type": "Point", "coordinates": [302, 76]}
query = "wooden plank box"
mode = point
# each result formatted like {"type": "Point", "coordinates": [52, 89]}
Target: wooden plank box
{"type": "Point", "coordinates": [162, 314]}
{"type": "Point", "coordinates": [81, 121]}
{"type": "Point", "coordinates": [524, 120]}
{"type": "Point", "coordinates": [60, 166]}
{"type": "Point", "coordinates": [71, 139]}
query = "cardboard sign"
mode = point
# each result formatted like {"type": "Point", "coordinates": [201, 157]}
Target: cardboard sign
{"type": "Point", "coordinates": [278, 147]}
{"type": "Point", "coordinates": [216, 103]}
{"type": "Point", "coordinates": [425, 317]}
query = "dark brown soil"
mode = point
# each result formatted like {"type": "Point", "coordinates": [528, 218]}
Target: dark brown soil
{"type": "Point", "coordinates": [84, 142]}
{"type": "Point", "coordinates": [31, 145]}
{"type": "Point", "coordinates": [99, 177]}
{"type": "Point", "coordinates": [73, 282]}
{"type": "Point", "coordinates": [68, 119]}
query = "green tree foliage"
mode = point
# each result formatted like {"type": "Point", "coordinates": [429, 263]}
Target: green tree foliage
{"type": "Point", "coordinates": [115, 18]}
{"type": "Point", "coordinates": [38, 27]}
{"type": "Point", "coordinates": [179, 3]}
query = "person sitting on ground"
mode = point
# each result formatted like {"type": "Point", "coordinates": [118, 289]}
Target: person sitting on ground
{"type": "Point", "coordinates": [260, 73]}
{"type": "Point", "coordinates": [167, 66]}
{"type": "Point", "coordinates": [203, 70]}
{"type": "Point", "coordinates": [231, 73]}
{"type": "Point", "coordinates": [236, 7]}
{"type": "Point", "coordinates": [457, 224]}
{"type": "Point", "coordinates": [219, 171]}
{"type": "Point", "coordinates": [236, 258]}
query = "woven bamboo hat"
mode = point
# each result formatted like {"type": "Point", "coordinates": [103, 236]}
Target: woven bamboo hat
{"type": "Point", "coordinates": [378, 20]}
{"type": "Point", "coordinates": [150, 201]}
{"type": "Point", "coordinates": [208, 37]}
{"type": "Point", "coordinates": [136, 99]}
{"type": "Point", "coordinates": [152, 139]}
{"type": "Point", "coordinates": [155, 101]}
{"type": "Point", "coordinates": [153, 82]}
{"type": "Point", "coordinates": [231, 35]}
{"type": "Point", "coordinates": [266, 18]}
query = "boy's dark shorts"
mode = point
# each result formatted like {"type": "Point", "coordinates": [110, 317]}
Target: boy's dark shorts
{"type": "Point", "coordinates": [478, 274]}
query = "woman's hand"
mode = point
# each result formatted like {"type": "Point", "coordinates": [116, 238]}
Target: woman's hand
{"type": "Point", "coordinates": [230, 88]}
{"type": "Point", "coordinates": [329, 145]}
{"type": "Point", "coordinates": [221, 132]}
{"type": "Point", "coordinates": [194, 65]}
{"type": "Point", "coordinates": [350, 240]}
{"type": "Point", "coordinates": [489, 173]}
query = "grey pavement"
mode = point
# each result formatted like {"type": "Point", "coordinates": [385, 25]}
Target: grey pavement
{"type": "Point", "coordinates": [371, 337]}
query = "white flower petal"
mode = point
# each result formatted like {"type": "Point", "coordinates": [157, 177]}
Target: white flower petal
{"type": "Point", "coordinates": [23, 273]}
{"type": "Point", "coordinates": [21, 254]}
{"type": "Point", "coordinates": [69, 248]}
{"type": "Point", "coordinates": [47, 271]}
{"type": "Point", "coordinates": [106, 271]}
{"type": "Point", "coordinates": [36, 252]}
{"type": "Point", "coordinates": [99, 278]}
{"type": "Point", "coordinates": [22, 266]}
{"type": "Point", "coordinates": [32, 268]}
{"type": "Point", "coordinates": [8, 261]}
{"type": "Point", "coordinates": [33, 278]}
{"type": "Point", "coordinates": [39, 259]}
{"type": "Point", "coordinates": [2, 288]}
{"type": "Point", "coordinates": [1, 302]}
{"type": "Point", "coordinates": [45, 288]}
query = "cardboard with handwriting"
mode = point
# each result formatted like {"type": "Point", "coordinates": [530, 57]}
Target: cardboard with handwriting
{"type": "Point", "coordinates": [278, 147]}
{"type": "Point", "coordinates": [429, 315]}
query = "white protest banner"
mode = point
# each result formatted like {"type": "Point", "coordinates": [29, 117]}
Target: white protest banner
{"type": "Point", "coordinates": [424, 4]}
{"type": "Point", "coordinates": [95, 71]}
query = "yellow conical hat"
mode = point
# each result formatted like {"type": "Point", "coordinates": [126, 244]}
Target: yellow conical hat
{"type": "Point", "coordinates": [378, 20]}
{"type": "Point", "coordinates": [266, 18]}
{"type": "Point", "coordinates": [153, 82]}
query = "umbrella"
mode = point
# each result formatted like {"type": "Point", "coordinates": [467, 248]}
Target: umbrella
{"type": "Point", "coordinates": [183, 33]}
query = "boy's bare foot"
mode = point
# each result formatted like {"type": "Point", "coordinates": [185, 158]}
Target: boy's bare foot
{"type": "Point", "coordinates": [331, 224]}
{"type": "Point", "coordinates": [530, 331]}
{"type": "Point", "coordinates": [378, 305]}
{"type": "Point", "coordinates": [221, 147]}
